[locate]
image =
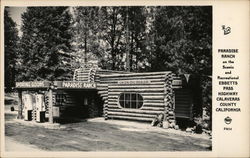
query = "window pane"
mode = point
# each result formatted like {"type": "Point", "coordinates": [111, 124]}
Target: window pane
{"type": "Point", "coordinates": [139, 97]}
{"type": "Point", "coordinates": [133, 104]}
{"type": "Point", "coordinates": [131, 100]}
{"type": "Point", "coordinates": [127, 96]}
{"type": "Point", "coordinates": [133, 97]}
{"type": "Point", "coordinates": [139, 104]}
{"type": "Point", "coordinates": [122, 96]}
{"type": "Point", "coordinates": [122, 103]}
{"type": "Point", "coordinates": [127, 104]}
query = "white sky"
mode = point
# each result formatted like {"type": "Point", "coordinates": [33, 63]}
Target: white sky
{"type": "Point", "coordinates": [15, 14]}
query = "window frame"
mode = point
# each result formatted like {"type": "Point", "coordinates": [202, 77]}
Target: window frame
{"type": "Point", "coordinates": [60, 99]}
{"type": "Point", "coordinates": [137, 101]}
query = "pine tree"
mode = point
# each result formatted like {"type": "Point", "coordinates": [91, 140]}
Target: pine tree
{"type": "Point", "coordinates": [183, 40]}
{"type": "Point", "coordinates": [45, 44]}
{"type": "Point", "coordinates": [137, 35]}
{"type": "Point", "coordinates": [87, 30]}
{"type": "Point", "coordinates": [183, 45]}
{"type": "Point", "coordinates": [101, 32]}
{"type": "Point", "coordinates": [113, 26]}
{"type": "Point", "coordinates": [10, 50]}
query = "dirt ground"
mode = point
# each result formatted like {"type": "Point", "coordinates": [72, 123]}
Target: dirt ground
{"type": "Point", "coordinates": [19, 147]}
{"type": "Point", "coordinates": [98, 135]}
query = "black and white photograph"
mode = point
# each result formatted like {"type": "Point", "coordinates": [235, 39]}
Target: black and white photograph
{"type": "Point", "coordinates": [108, 78]}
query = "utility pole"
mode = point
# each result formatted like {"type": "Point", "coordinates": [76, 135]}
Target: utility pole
{"type": "Point", "coordinates": [127, 43]}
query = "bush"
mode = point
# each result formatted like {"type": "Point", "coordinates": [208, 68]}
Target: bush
{"type": "Point", "coordinates": [201, 124]}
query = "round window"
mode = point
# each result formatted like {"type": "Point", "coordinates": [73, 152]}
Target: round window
{"type": "Point", "coordinates": [131, 100]}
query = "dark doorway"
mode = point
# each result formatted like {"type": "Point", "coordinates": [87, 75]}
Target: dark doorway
{"type": "Point", "coordinates": [76, 105]}
{"type": "Point", "coordinates": [183, 103]}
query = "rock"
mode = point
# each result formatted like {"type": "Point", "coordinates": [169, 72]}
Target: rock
{"type": "Point", "coordinates": [204, 131]}
{"type": "Point", "coordinates": [193, 128]}
{"type": "Point", "coordinates": [172, 125]}
{"type": "Point", "coordinates": [176, 127]}
{"type": "Point", "coordinates": [165, 124]}
{"type": "Point", "coordinates": [209, 132]}
{"type": "Point", "coordinates": [189, 130]}
{"type": "Point", "coordinates": [159, 124]}
{"type": "Point", "coordinates": [153, 123]}
{"type": "Point", "coordinates": [205, 126]}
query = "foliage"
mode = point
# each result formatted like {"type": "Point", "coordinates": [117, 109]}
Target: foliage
{"type": "Point", "coordinates": [157, 38]}
{"type": "Point", "coordinates": [105, 33]}
{"type": "Point", "coordinates": [137, 35]}
{"type": "Point", "coordinates": [45, 44]}
{"type": "Point", "coordinates": [183, 40]}
{"type": "Point", "coordinates": [113, 36]}
{"type": "Point", "coordinates": [201, 123]}
{"type": "Point", "coordinates": [183, 44]}
{"type": "Point", "coordinates": [206, 87]}
{"type": "Point", "coordinates": [10, 50]}
{"type": "Point", "coordinates": [87, 29]}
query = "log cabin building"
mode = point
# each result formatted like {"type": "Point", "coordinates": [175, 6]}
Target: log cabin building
{"type": "Point", "coordinates": [95, 92]}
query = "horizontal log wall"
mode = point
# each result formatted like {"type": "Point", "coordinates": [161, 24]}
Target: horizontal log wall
{"type": "Point", "coordinates": [156, 92]}
{"type": "Point", "coordinates": [92, 74]}
{"type": "Point", "coordinates": [152, 88]}
{"type": "Point", "coordinates": [81, 74]}
{"type": "Point", "coordinates": [70, 100]}
{"type": "Point", "coordinates": [102, 87]}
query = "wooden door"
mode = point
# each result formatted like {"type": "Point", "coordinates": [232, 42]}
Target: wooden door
{"type": "Point", "coordinates": [183, 103]}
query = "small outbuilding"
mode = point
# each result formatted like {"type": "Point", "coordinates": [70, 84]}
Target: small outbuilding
{"type": "Point", "coordinates": [95, 92]}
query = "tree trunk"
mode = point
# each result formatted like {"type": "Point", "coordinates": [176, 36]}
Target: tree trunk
{"type": "Point", "coordinates": [85, 47]}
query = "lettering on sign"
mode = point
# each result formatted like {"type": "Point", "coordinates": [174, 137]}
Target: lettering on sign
{"type": "Point", "coordinates": [70, 84]}
{"type": "Point", "coordinates": [33, 84]}
{"type": "Point", "coordinates": [135, 82]}
{"type": "Point", "coordinates": [177, 82]}
{"type": "Point", "coordinates": [22, 84]}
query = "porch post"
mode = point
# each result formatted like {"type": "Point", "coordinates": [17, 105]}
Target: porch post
{"type": "Point", "coordinates": [20, 105]}
{"type": "Point", "coordinates": [50, 100]}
